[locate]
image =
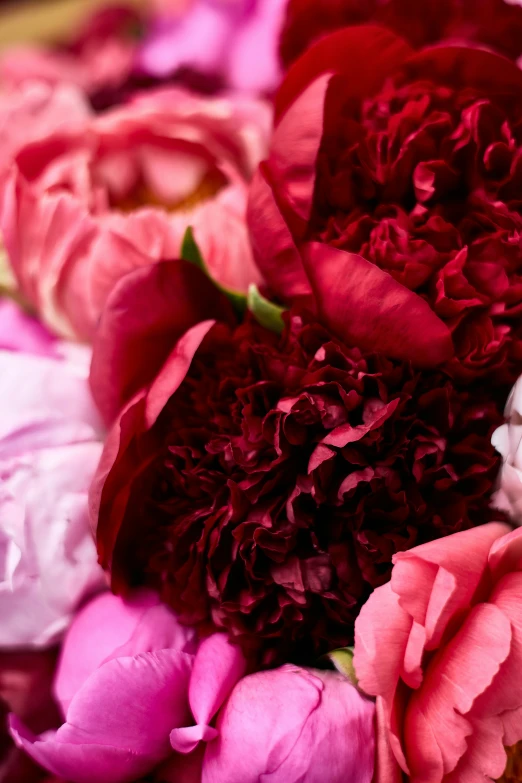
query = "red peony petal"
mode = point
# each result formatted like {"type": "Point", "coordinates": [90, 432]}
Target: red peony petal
{"type": "Point", "coordinates": [367, 308]}
{"type": "Point", "coordinates": [466, 67]}
{"type": "Point", "coordinates": [145, 315]}
{"type": "Point", "coordinates": [274, 248]}
{"type": "Point", "coordinates": [366, 55]}
{"type": "Point", "coordinates": [295, 145]}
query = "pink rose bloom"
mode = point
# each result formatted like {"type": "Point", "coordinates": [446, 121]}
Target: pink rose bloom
{"type": "Point", "coordinates": [120, 194]}
{"type": "Point", "coordinates": [234, 41]}
{"type": "Point", "coordinates": [34, 110]}
{"type": "Point", "coordinates": [49, 448]}
{"type": "Point", "coordinates": [292, 725]}
{"type": "Point", "coordinates": [507, 440]}
{"type": "Point", "coordinates": [122, 683]}
{"type": "Point", "coordinates": [440, 646]}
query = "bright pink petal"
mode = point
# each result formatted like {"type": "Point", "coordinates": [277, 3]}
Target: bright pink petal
{"type": "Point", "coordinates": [21, 332]}
{"type": "Point", "coordinates": [109, 627]}
{"type": "Point", "coordinates": [366, 307]}
{"type": "Point", "coordinates": [218, 666]}
{"type": "Point", "coordinates": [131, 703]}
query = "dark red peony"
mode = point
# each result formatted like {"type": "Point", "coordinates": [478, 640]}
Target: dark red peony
{"type": "Point", "coordinates": [494, 23]}
{"type": "Point", "coordinates": [396, 177]}
{"type": "Point", "coordinates": [263, 482]}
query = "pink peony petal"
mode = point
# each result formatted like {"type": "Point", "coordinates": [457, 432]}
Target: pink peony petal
{"type": "Point", "coordinates": [131, 702]}
{"type": "Point", "coordinates": [218, 666]}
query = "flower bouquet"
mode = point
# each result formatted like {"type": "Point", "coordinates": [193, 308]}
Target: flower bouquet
{"type": "Point", "coordinates": [261, 420]}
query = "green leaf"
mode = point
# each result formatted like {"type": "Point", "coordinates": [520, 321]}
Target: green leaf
{"type": "Point", "coordinates": [190, 252]}
{"type": "Point", "coordinates": [264, 311]}
{"type": "Point", "coordinates": [342, 659]}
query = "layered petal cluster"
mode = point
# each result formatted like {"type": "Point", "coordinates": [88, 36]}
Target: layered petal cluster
{"type": "Point", "coordinates": [440, 648]}
{"type": "Point", "coordinates": [495, 23]}
{"type": "Point", "coordinates": [49, 448]}
{"type": "Point", "coordinates": [405, 173]}
{"type": "Point", "coordinates": [118, 193]}
{"type": "Point", "coordinates": [263, 483]}
{"type": "Point", "coordinates": [122, 684]}
{"type": "Point", "coordinates": [234, 44]}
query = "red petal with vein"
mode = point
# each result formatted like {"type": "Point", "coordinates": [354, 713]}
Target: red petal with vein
{"type": "Point", "coordinates": [272, 243]}
{"type": "Point", "coordinates": [367, 308]}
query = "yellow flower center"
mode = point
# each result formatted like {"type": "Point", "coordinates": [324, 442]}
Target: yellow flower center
{"type": "Point", "coordinates": [513, 771]}
{"type": "Point", "coordinates": [142, 196]}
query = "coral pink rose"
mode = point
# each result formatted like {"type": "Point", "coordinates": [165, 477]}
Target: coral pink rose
{"type": "Point", "coordinates": [440, 646]}
{"type": "Point", "coordinates": [120, 193]}
{"type": "Point", "coordinates": [122, 684]}
{"type": "Point", "coordinates": [35, 110]}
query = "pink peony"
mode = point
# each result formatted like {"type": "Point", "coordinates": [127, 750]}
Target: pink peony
{"type": "Point", "coordinates": [49, 448]}
{"type": "Point", "coordinates": [122, 683]}
{"type": "Point", "coordinates": [34, 110]}
{"type": "Point", "coordinates": [80, 211]}
{"type": "Point", "coordinates": [234, 42]}
{"type": "Point", "coordinates": [507, 440]}
{"type": "Point", "coordinates": [292, 725]}
{"type": "Point", "coordinates": [440, 646]}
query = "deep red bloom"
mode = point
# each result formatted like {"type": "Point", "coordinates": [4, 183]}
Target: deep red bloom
{"type": "Point", "coordinates": [406, 171]}
{"type": "Point", "coordinates": [263, 483]}
{"type": "Point", "coordinates": [495, 23]}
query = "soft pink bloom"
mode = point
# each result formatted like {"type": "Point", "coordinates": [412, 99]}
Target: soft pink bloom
{"type": "Point", "coordinates": [507, 440]}
{"type": "Point", "coordinates": [80, 212]}
{"type": "Point", "coordinates": [235, 41]}
{"type": "Point", "coordinates": [33, 110]}
{"type": "Point", "coordinates": [292, 725]}
{"type": "Point", "coordinates": [440, 646]}
{"type": "Point", "coordinates": [122, 683]}
{"type": "Point", "coordinates": [49, 448]}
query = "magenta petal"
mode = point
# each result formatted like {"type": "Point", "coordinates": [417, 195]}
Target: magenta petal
{"type": "Point", "coordinates": [366, 307]}
{"type": "Point", "coordinates": [186, 739]}
{"type": "Point", "coordinates": [78, 763]}
{"type": "Point", "coordinates": [218, 666]}
{"type": "Point", "coordinates": [131, 703]}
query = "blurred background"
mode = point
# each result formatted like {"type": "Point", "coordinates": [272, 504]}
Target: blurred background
{"type": "Point", "coordinates": [45, 21]}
